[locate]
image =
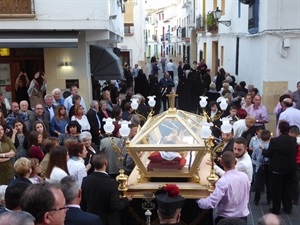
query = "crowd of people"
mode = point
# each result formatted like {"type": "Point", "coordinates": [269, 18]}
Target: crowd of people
{"type": "Point", "coordinates": [45, 137]}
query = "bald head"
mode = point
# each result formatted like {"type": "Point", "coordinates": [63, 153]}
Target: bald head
{"type": "Point", "coordinates": [270, 219]}
{"type": "Point", "coordinates": [287, 102]}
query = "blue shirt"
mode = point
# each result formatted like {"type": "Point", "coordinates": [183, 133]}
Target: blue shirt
{"type": "Point", "coordinates": [59, 126]}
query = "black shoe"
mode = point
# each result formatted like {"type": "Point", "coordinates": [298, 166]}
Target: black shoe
{"type": "Point", "coordinates": [272, 211]}
{"type": "Point", "coordinates": [287, 211]}
{"type": "Point", "coordinates": [295, 202]}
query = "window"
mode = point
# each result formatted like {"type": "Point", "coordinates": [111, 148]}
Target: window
{"type": "Point", "coordinates": [237, 49]}
{"type": "Point", "coordinates": [253, 17]}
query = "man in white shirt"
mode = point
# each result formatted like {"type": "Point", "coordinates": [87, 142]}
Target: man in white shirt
{"type": "Point", "coordinates": [69, 100]}
{"type": "Point", "coordinates": [244, 163]}
{"type": "Point", "coordinates": [289, 114]}
{"type": "Point", "coordinates": [170, 68]}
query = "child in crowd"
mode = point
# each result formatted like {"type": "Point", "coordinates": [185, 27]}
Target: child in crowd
{"type": "Point", "coordinates": [233, 114]}
{"type": "Point", "coordinates": [294, 132]}
{"type": "Point", "coordinates": [261, 171]}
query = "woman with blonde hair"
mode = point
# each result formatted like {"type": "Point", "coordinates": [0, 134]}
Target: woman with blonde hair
{"type": "Point", "coordinates": [57, 167]}
{"type": "Point", "coordinates": [23, 170]}
{"type": "Point", "coordinates": [81, 118]}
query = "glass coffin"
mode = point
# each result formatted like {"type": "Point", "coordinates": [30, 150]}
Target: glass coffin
{"type": "Point", "coordinates": [169, 146]}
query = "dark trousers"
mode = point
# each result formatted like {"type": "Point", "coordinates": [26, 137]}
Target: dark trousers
{"type": "Point", "coordinates": [219, 218]}
{"type": "Point", "coordinates": [295, 185]}
{"type": "Point", "coordinates": [165, 101]}
{"type": "Point", "coordinates": [262, 179]}
{"type": "Point", "coordinates": [281, 192]}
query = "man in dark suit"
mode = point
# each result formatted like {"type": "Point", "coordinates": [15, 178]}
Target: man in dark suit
{"type": "Point", "coordinates": [39, 115]}
{"type": "Point", "coordinates": [75, 216]}
{"type": "Point", "coordinates": [100, 193]}
{"type": "Point", "coordinates": [29, 115]}
{"type": "Point", "coordinates": [49, 108]}
{"type": "Point", "coordinates": [94, 120]}
{"type": "Point", "coordinates": [13, 194]}
{"type": "Point", "coordinates": [227, 141]}
{"type": "Point", "coordinates": [282, 165]}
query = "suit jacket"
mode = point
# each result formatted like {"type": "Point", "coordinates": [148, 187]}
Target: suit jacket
{"type": "Point", "coordinates": [229, 146]}
{"type": "Point", "coordinates": [46, 110]}
{"type": "Point", "coordinates": [100, 196]}
{"type": "Point", "coordinates": [75, 216]}
{"type": "Point", "coordinates": [45, 119]}
{"type": "Point", "coordinates": [282, 153]}
{"type": "Point", "coordinates": [92, 118]}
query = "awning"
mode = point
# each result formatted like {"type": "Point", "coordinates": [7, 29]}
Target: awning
{"type": "Point", "coordinates": [38, 39]}
{"type": "Point", "coordinates": [105, 64]}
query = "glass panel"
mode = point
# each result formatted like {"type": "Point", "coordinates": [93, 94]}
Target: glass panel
{"type": "Point", "coordinates": [170, 131]}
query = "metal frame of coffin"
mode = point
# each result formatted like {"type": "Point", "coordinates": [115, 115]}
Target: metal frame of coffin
{"type": "Point", "coordinates": [105, 64]}
{"type": "Point", "coordinates": [173, 131]}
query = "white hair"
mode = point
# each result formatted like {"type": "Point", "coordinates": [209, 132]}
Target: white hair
{"type": "Point", "coordinates": [85, 134]}
{"type": "Point", "coordinates": [56, 90]}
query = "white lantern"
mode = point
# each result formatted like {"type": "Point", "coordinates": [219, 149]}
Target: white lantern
{"type": "Point", "coordinates": [205, 130]}
{"type": "Point", "coordinates": [203, 101]}
{"type": "Point", "coordinates": [124, 129]}
{"type": "Point", "coordinates": [151, 101]}
{"type": "Point", "coordinates": [224, 104]}
{"type": "Point", "coordinates": [134, 103]}
{"type": "Point", "coordinates": [109, 126]}
{"type": "Point", "coordinates": [226, 126]}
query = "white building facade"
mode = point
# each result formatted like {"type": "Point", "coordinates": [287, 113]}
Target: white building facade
{"type": "Point", "coordinates": [261, 46]}
{"type": "Point", "coordinates": [62, 31]}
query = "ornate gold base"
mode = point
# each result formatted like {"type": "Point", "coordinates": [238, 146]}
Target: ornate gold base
{"type": "Point", "coordinates": [212, 179]}
{"type": "Point", "coordinates": [122, 179]}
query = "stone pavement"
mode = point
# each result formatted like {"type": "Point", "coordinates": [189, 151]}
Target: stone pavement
{"type": "Point", "coordinates": [257, 211]}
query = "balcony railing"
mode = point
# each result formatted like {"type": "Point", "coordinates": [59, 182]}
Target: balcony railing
{"type": "Point", "coordinates": [128, 29]}
{"type": "Point", "coordinates": [16, 8]}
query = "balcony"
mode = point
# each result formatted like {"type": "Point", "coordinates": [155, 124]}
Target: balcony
{"type": "Point", "coordinates": [154, 37]}
{"type": "Point", "coordinates": [128, 29]}
{"type": "Point", "coordinates": [16, 8]}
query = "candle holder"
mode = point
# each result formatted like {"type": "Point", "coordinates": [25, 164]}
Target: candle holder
{"type": "Point", "coordinates": [124, 130]}
{"type": "Point", "coordinates": [148, 205]}
{"type": "Point", "coordinates": [223, 105]}
{"type": "Point", "coordinates": [212, 148]}
{"type": "Point", "coordinates": [135, 104]}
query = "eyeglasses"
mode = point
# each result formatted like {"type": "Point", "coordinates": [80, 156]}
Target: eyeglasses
{"type": "Point", "coordinates": [62, 208]}
{"type": "Point", "coordinates": [38, 108]}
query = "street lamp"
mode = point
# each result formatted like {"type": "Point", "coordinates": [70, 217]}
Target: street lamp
{"type": "Point", "coordinates": [217, 16]}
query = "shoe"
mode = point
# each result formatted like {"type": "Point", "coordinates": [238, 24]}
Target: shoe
{"type": "Point", "coordinates": [272, 211]}
{"type": "Point", "coordinates": [287, 211]}
{"type": "Point", "coordinates": [295, 202]}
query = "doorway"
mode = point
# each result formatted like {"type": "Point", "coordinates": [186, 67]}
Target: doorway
{"type": "Point", "coordinates": [20, 59]}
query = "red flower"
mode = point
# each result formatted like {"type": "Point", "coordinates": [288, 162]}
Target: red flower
{"type": "Point", "coordinates": [172, 189]}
